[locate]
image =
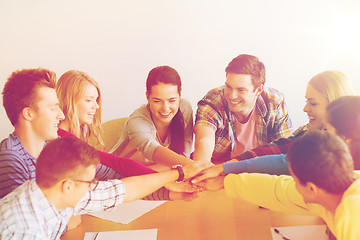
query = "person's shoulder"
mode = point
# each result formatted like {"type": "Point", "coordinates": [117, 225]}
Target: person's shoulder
{"type": "Point", "coordinates": [140, 120]}
{"type": "Point", "coordinates": [272, 96]}
{"type": "Point", "coordinates": [140, 115]}
{"type": "Point", "coordinates": [10, 148]}
{"type": "Point", "coordinates": [16, 196]}
{"type": "Point", "coordinates": [215, 92]}
{"type": "Point", "coordinates": [7, 143]}
{"type": "Point", "coordinates": [213, 98]}
{"type": "Point", "coordinates": [140, 112]}
{"type": "Point", "coordinates": [185, 105]}
{"type": "Point", "coordinates": [11, 205]}
{"type": "Point", "coordinates": [272, 93]}
{"type": "Point", "coordinates": [349, 207]}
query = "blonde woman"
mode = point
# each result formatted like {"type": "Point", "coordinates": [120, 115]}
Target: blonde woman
{"type": "Point", "coordinates": [80, 100]}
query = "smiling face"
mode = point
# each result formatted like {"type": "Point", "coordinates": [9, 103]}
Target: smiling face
{"type": "Point", "coordinates": [315, 107]}
{"type": "Point", "coordinates": [87, 104]}
{"type": "Point", "coordinates": [164, 102]}
{"type": "Point", "coordinates": [47, 114]}
{"type": "Point", "coordinates": [240, 94]}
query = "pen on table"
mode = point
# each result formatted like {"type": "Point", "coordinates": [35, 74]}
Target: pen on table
{"type": "Point", "coordinates": [282, 236]}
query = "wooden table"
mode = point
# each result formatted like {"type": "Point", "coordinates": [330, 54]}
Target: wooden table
{"type": "Point", "coordinates": [211, 216]}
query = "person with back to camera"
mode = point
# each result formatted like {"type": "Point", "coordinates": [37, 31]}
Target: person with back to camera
{"type": "Point", "coordinates": [322, 183]}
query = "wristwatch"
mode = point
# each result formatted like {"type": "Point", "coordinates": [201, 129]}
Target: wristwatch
{"type": "Point", "coordinates": [181, 172]}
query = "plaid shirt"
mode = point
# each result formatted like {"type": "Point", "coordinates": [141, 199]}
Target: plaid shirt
{"type": "Point", "coordinates": [272, 120]}
{"type": "Point", "coordinates": [280, 146]}
{"type": "Point", "coordinates": [27, 214]}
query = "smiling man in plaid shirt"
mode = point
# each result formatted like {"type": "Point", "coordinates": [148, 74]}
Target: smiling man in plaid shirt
{"type": "Point", "coordinates": [241, 115]}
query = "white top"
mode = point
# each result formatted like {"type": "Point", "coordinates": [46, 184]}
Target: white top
{"type": "Point", "coordinates": [139, 139]}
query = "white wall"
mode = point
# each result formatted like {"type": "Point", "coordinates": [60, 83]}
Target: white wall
{"type": "Point", "coordinates": [118, 42]}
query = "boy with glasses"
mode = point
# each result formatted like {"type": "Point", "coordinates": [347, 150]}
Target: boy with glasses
{"type": "Point", "coordinates": [65, 185]}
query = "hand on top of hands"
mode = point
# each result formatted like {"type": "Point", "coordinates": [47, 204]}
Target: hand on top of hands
{"type": "Point", "coordinates": [211, 184]}
{"type": "Point", "coordinates": [191, 170]}
{"type": "Point", "coordinates": [200, 176]}
{"type": "Point", "coordinates": [211, 172]}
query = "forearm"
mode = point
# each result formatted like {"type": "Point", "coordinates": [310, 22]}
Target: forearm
{"type": "Point", "coordinates": [140, 186]}
{"type": "Point", "coordinates": [160, 194]}
{"type": "Point", "coordinates": [12, 175]}
{"type": "Point", "coordinates": [271, 164]}
{"type": "Point", "coordinates": [280, 146]}
{"type": "Point", "coordinates": [124, 166]}
{"type": "Point", "coordinates": [203, 149]}
{"type": "Point", "coordinates": [168, 157]}
{"type": "Point", "coordinates": [204, 143]}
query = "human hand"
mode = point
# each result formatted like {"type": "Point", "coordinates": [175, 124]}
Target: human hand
{"type": "Point", "coordinates": [211, 172]}
{"type": "Point", "coordinates": [184, 186]}
{"type": "Point", "coordinates": [192, 169]}
{"type": "Point", "coordinates": [212, 184]}
{"type": "Point", "coordinates": [183, 195]}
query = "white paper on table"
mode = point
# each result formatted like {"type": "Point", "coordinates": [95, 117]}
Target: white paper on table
{"type": "Point", "coordinates": [308, 232]}
{"type": "Point", "coordinates": [148, 234]}
{"type": "Point", "coordinates": [128, 212]}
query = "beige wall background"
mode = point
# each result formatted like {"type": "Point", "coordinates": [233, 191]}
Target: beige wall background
{"type": "Point", "coordinates": [118, 42]}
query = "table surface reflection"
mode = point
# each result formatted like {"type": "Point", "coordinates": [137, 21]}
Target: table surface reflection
{"type": "Point", "coordinates": [211, 216]}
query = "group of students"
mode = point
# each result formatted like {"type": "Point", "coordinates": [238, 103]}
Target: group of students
{"type": "Point", "coordinates": [48, 171]}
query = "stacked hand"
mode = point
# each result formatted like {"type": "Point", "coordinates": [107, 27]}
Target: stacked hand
{"type": "Point", "coordinates": [199, 176]}
{"type": "Point", "coordinates": [211, 179]}
{"type": "Point", "coordinates": [211, 172]}
{"type": "Point", "coordinates": [193, 169]}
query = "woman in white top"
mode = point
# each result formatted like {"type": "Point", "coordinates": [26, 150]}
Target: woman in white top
{"type": "Point", "coordinates": [159, 134]}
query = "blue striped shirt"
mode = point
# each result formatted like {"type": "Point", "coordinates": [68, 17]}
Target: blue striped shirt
{"type": "Point", "coordinates": [18, 166]}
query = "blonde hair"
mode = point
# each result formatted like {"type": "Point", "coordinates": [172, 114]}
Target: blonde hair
{"type": "Point", "coordinates": [332, 84]}
{"type": "Point", "coordinates": [69, 88]}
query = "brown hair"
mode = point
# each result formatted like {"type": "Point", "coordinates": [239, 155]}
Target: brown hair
{"type": "Point", "coordinates": [248, 64]}
{"type": "Point", "coordinates": [344, 115]}
{"type": "Point", "coordinates": [20, 90]}
{"type": "Point", "coordinates": [63, 158]}
{"type": "Point", "coordinates": [324, 159]}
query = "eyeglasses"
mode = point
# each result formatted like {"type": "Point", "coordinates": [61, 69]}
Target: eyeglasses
{"type": "Point", "coordinates": [92, 184]}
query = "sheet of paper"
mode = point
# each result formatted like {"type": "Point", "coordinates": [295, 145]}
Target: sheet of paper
{"type": "Point", "coordinates": [129, 211]}
{"type": "Point", "coordinates": [309, 232]}
{"type": "Point", "coordinates": [148, 234]}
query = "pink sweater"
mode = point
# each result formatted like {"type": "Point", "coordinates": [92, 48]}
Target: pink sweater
{"type": "Point", "coordinates": [124, 166]}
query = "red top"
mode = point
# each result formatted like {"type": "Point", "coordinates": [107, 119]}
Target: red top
{"type": "Point", "coordinates": [124, 166]}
